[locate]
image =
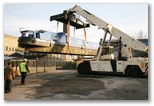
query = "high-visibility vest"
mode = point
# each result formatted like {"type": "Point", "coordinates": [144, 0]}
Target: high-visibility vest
{"type": "Point", "coordinates": [23, 67]}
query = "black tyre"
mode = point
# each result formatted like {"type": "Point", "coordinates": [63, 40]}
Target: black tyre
{"type": "Point", "coordinates": [135, 71]}
{"type": "Point", "coordinates": [83, 69]}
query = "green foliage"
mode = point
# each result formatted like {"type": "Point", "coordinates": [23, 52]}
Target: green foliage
{"type": "Point", "coordinates": [70, 66]}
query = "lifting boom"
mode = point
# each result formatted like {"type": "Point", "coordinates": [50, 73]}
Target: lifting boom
{"type": "Point", "coordinates": [92, 19]}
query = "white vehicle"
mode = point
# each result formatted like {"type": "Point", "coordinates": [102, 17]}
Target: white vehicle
{"type": "Point", "coordinates": [105, 62]}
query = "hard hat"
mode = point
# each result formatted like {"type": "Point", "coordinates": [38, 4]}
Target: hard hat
{"type": "Point", "coordinates": [25, 59]}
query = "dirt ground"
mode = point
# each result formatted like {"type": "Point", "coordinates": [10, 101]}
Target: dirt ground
{"type": "Point", "coordinates": [68, 85]}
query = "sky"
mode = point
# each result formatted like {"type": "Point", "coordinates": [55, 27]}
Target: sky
{"type": "Point", "coordinates": [130, 18]}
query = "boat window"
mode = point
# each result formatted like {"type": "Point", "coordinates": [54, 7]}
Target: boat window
{"type": "Point", "coordinates": [55, 37]}
{"type": "Point", "coordinates": [45, 35]}
{"type": "Point", "coordinates": [37, 35]}
{"type": "Point", "coordinates": [27, 34]}
{"type": "Point", "coordinates": [30, 35]}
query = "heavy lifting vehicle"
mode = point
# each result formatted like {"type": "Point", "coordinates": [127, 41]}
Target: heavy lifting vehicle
{"type": "Point", "coordinates": [105, 62]}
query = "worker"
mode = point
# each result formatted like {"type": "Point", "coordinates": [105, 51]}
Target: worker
{"type": "Point", "coordinates": [100, 42]}
{"type": "Point", "coordinates": [9, 75]}
{"type": "Point", "coordinates": [23, 70]}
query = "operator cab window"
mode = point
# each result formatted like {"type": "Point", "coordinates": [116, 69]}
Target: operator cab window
{"type": "Point", "coordinates": [107, 50]}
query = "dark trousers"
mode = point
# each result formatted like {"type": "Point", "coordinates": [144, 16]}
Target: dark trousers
{"type": "Point", "coordinates": [8, 85]}
{"type": "Point", "coordinates": [23, 77]}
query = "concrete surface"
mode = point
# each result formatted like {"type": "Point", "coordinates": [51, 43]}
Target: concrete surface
{"type": "Point", "coordinates": [67, 85]}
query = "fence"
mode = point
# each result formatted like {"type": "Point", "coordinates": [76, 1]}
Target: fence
{"type": "Point", "coordinates": [38, 66]}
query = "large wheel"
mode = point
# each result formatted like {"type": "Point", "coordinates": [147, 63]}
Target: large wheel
{"type": "Point", "coordinates": [83, 69]}
{"type": "Point", "coordinates": [135, 71]}
{"type": "Point", "coordinates": [128, 71]}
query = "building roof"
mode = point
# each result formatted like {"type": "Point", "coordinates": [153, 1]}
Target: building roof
{"type": "Point", "coordinates": [9, 58]}
{"type": "Point", "coordinates": [15, 55]}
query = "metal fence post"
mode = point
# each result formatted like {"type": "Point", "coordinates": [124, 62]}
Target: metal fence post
{"type": "Point", "coordinates": [36, 64]}
{"type": "Point", "coordinates": [44, 65]}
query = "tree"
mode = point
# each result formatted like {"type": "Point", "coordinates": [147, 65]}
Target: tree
{"type": "Point", "coordinates": [141, 35]}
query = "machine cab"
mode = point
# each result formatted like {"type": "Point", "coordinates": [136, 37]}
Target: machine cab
{"type": "Point", "coordinates": [107, 53]}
